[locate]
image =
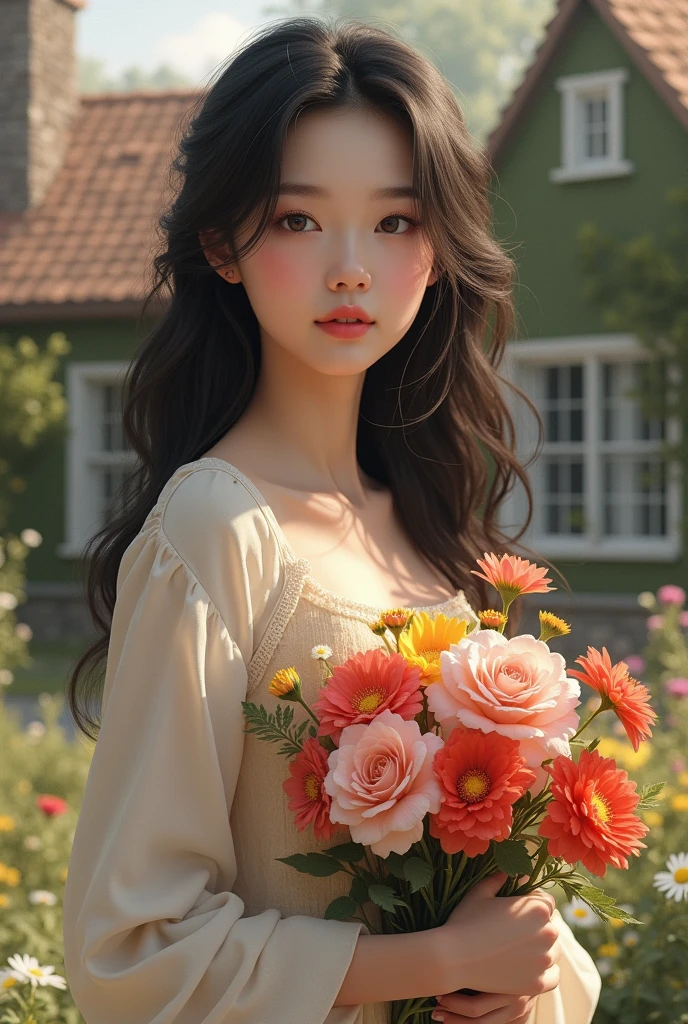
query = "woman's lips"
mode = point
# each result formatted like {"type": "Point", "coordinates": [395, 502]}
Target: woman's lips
{"type": "Point", "coordinates": [344, 331]}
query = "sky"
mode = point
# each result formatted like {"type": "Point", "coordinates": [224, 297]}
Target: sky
{"type": "Point", "coordinates": [191, 36]}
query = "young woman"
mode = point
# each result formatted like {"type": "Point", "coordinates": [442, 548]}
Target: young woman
{"type": "Point", "coordinates": [297, 475]}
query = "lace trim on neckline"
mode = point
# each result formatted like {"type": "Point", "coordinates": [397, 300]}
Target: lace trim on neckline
{"type": "Point", "coordinates": [317, 594]}
{"type": "Point", "coordinates": [294, 581]}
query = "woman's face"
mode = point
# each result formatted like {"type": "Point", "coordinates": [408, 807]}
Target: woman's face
{"type": "Point", "coordinates": [344, 246]}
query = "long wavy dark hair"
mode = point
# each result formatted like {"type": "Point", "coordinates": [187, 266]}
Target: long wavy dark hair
{"type": "Point", "coordinates": [433, 425]}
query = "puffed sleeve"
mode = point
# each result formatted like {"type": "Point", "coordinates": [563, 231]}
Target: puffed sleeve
{"type": "Point", "coordinates": [153, 933]}
{"type": "Point", "coordinates": [574, 1000]}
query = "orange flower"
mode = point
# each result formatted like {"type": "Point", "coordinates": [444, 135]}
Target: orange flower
{"type": "Point", "coordinates": [492, 619]}
{"type": "Point", "coordinates": [363, 687]}
{"type": "Point", "coordinates": [482, 777]}
{"type": "Point", "coordinates": [307, 795]}
{"type": "Point", "coordinates": [625, 695]}
{"type": "Point", "coordinates": [511, 576]}
{"type": "Point", "coordinates": [590, 818]}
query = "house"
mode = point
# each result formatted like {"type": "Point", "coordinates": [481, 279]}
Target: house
{"type": "Point", "coordinates": [596, 130]}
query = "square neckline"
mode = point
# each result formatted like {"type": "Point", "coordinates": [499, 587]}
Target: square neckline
{"type": "Point", "coordinates": [313, 590]}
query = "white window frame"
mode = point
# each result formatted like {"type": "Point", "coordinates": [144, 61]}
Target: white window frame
{"type": "Point", "coordinates": [591, 351]}
{"type": "Point", "coordinates": [574, 89]}
{"type": "Point", "coordinates": [82, 380]}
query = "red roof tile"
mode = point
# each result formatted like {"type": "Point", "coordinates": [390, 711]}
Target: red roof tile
{"type": "Point", "coordinates": [653, 32]}
{"type": "Point", "coordinates": [89, 240]}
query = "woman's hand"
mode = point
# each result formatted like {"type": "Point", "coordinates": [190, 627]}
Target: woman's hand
{"type": "Point", "coordinates": [487, 1008]}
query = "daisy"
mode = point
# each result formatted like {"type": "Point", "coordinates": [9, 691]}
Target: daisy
{"type": "Point", "coordinates": [591, 816]}
{"type": "Point", "coordinates": [482, 777]}
{"type": "Point", "coordinates": [321, 652]}
{"type": "Point", "coordinates": [512, 576]}
{"type": "Point", "coordinates": [26, 968]}
{"type": "Point", "coordinates": [426, 638]}
{"type": "Point", "coordinates": [579, 914]}
{"type": "Point", "coordinates": [674, 882]}
{"type": "Point", "coordinates": [628, 698]}
{"type": "Point", "coordinates": [363, 687]}
{"type": "Point", "coordinates": [43, 896]}
{"type": "Point", "coordinates": [304, 787]}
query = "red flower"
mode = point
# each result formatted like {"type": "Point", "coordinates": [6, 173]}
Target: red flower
{"type": "Point", "coordinates": [51, 805]}
{"type": "Point", "coordinates": [306, 791]}
{"type": "Point", "coordinates": [628, 698]}
{"type": "Point", "coordinates": [482, 776]}
{"type": "Point", "coordinates": [364, 686]}
{"type": "Point", "coordinates": [590, 818]}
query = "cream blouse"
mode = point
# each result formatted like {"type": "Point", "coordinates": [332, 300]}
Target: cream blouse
{"type": "Point", "coordinates": [176, 910]}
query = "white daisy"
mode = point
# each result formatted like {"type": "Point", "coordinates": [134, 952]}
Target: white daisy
{"type": "Point", "coordinates": [7, 979]}
{"type": "Point", "coordinates": [27, 968]}
{"type": "Point", "coordinates": [674, 882]}
{"type": "Point", "coordinates": [605, 966]}
{"type": "Point", "coordinates": [43, 896]}
{"type": "Point", "coordinates": [630, 938]}
{"type": "Point", "coordinates": [321, 652]}
{"type": "Point", "coordinates": [580, 914]}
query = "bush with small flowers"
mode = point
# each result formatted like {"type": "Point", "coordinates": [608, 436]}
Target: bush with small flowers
{"type": "Point", "coordinates": [644, 967]}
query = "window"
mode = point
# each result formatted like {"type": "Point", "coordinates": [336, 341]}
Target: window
{"type": "Point", "coordinates": [97, 458]}
{"type": "Point", "coordinates": [602, 485]}
{"type": "Point", "coordinates": [592, 136]}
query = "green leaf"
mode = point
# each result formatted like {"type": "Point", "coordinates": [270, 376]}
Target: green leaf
{"type": "Point", "coordinates": [340, 909]}
{"type": "Point", "coordinates": [359, 891]}
{"type": "Point", "coordinates": [351, 853]}
{"type": "Point", "coordinates": [275, 727]}
{"type": "Point", "coordinates": [593, 744]}
{"type": "Point", "coordinates": [648, 793]}
{"type": "Point", "coordinates": [384, 896]}
{"type": "Point", "coordinates": [513, 858]}
{"type": "Point", "coordinates": [312, 864]}
{"type": "Point", "coordinates": [603, 904]}
{"type": "Point", "coordinates": [394, 863]}
{"type": "Point", "coordinates": [418, 872]}
{"type": "Point", "coordinates": [313, 731]}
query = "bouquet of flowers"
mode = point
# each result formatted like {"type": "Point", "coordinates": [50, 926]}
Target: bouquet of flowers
{"type": "Point", "coordinates": [453, 752]}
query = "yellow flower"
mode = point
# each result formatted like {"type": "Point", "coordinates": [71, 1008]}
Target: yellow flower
{"type": "Point", "coordinates": [653, 818]}
{"type": "Point", "coordinates": [426, 638]}
{"type": "Point", "coordinates": [7, 823]}
{"type": "Point", "coordinates": [12, 877]}
{"type": "Point", "coordinates": [608, 949]}
{"type": "Point", "coordinates": [623, 752]}
{"type": "Point", "coordinates": [683, 779]}
{"type": "Point", "coordinates": [4, 899]}
{"type": "Point", "coordinates": [490, 618]}
{"type": "Point", "coordinates": [396, 618]}
{"type": "Point", "coordinates": [680, 802]}
{"type": "Point", "coordinates": [551, 625]}
{"type": "Point", "coordinates": [286, 683]}
{"type": "Point", "coordinates": [615, 922]}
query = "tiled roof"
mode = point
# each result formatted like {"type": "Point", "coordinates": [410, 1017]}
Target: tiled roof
{"type": "Point", "coordinates": [86, 247]}
{"type": "Point", "coordinates": [654, 33]}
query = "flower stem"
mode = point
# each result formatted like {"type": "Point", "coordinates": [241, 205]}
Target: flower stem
{"type": "Point", "coordinates": [305, 705]}
{"type": "Point", "coordinates": [604, 706]}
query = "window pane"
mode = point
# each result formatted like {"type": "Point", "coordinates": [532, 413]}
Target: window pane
{"type": "Point", "coordinates": [561, 403]}
{"type": "Point", "coordinates": [564, 498]}
{"type": "Point", "coordinates": [595, 127]}
{"type": "Point", "coordinates": [635, 497]}
{"type": "Point", "coordinates": [622, 416]}
{"type": "Point", "coordinates": [112, 437]}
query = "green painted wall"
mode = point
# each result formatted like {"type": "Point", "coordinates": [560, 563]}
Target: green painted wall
{"type": "Point", "coordinates": [41, 505]}
{"type": "Point", "coordinates": [538, 220]}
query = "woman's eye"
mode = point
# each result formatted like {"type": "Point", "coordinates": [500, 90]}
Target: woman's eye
{"type": "Point", "coordinates": [298, 223]}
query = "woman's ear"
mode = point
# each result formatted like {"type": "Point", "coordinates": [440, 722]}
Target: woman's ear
{"type": "Point", "coordinates": [432, 277]}
{"type": "Point", "coordinates": [217, 256]}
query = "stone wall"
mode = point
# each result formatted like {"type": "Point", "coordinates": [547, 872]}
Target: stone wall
{"type": "Point", "coordinates": [38, 97]}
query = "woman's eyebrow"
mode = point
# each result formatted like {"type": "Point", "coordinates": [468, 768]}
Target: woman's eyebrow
{"type": "Point", "coordinates": [296, 188]}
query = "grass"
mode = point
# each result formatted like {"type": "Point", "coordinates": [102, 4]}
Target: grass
{"type": "Point", "coordinates": [52, 663]}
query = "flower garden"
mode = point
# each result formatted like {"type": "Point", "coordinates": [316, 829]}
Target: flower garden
{"type": "Point", "coordinates": [643, 966]}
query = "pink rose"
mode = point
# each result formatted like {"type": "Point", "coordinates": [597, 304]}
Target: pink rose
{"type": "Point", "coordinates": [516, 687]}
{"type": "Point", "coordinates": [382, 783]}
